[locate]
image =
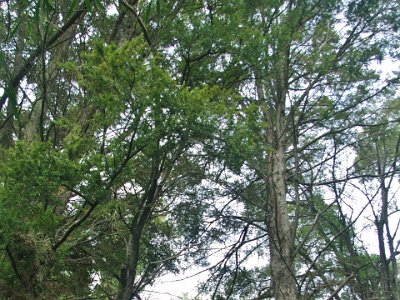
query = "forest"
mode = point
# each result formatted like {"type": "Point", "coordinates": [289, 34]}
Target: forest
{"type": "Point", "coordinates": [255, 140]}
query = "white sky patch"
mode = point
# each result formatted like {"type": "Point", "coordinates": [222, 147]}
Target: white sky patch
{"type": "Point", "coordinates": [387, 66]}
{"type": "Point", "coordinates": [171, 286]}
{"type": "Point", "coordinates": [112, 10]}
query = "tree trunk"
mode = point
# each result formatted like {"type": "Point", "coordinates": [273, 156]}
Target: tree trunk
{"type": "Point", "coordinates": [6, 133]}
{"type": "Point", "coordinates": [128, 286]}
{"type": "Point", "coordinates": [279, 228]}
{"type": "Point", "coordinates": [387, 277]}
{"type": "Point", "coordinates": [128, 272]}
{"type": "Point", "coordinates": [277, 219]}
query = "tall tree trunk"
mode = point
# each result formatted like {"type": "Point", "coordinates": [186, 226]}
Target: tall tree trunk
{"type": "Point", "coordinates": [128, 286]}
{"type": "Point", "coordinates": [46, 95]}
{"type": "Point", "coordinates": [128, 272]}
{"type": "Point", "coordinates": [6, 133]}
{"type": "Point", "coordinates": [387, 277]}
{"type": "Point", "coordinates": [277, 218]}
{"type": "Point", "coordinates": [279, 227]}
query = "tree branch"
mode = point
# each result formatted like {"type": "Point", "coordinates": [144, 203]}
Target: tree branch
{"type": "Point", "coordinates": [340, 287]}
{"type": "Point", "coordinates": [15, 81]}
{"type": "Point", "coordinates": [141, 24]}
{"type": "Point", "coordinates": [74, 225]}
{"type": "Point", "coordinates": [13, 263]}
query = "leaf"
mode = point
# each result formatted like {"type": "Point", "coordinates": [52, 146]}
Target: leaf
{"type": "Point", "coordinates": [97, 4]}
{"type": "Point", "coordinates": [88, 5]}
{"type": "Point", "coordinates": [13, 30]}
{"type": "Point", "coordinates": [148, 11]}
{"type": "Point", "coordinates": [12, 97]}
{"type": "Point", "coordinates": [2, 58]}
{"type": "Point", "coordinates": [93, 5]}
{"type": "Point", "coordinates": [48, 5]}
{"type": "Point", "coordinates": [158, 9]}
{"type": "Point", "coordinates": [71, 8]}
{"type": "Point", "coordinates": [37, 13]}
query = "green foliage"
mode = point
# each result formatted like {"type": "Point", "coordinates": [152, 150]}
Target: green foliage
{"type": "Point", "coordinates": [169, 148]}
{"type": "Point", "coordinates": [377, 149]}
{"type": "Point", "coordinates": [31, 178]}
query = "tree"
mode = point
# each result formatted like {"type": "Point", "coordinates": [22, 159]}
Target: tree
{"type": "Point", "coordinates": [111, 153]}
{"type": "Point", "coordinates": [137, 136]}
{"type": "Point", "coordinates": [377, 165]}
{"type": "Point", "coordinates": [309, 82]}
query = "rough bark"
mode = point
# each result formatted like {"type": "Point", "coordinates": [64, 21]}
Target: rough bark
{"type": "Point", "coordinates": [279, 227]}
{"type": "Point", "coordinates": [277, 216]}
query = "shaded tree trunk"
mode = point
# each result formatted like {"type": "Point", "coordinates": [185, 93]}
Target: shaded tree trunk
{"type": "Point", "coordinates": [6, 133]}
{"type": "Point", "coordinates": [128, 286]}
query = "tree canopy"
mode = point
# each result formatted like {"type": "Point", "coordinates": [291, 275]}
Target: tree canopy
{"type": "Point", "coordinates": [145, 137]}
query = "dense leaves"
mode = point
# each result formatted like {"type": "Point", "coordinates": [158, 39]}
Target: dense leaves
{"type": "Point", "coordinates": [258, 140]}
